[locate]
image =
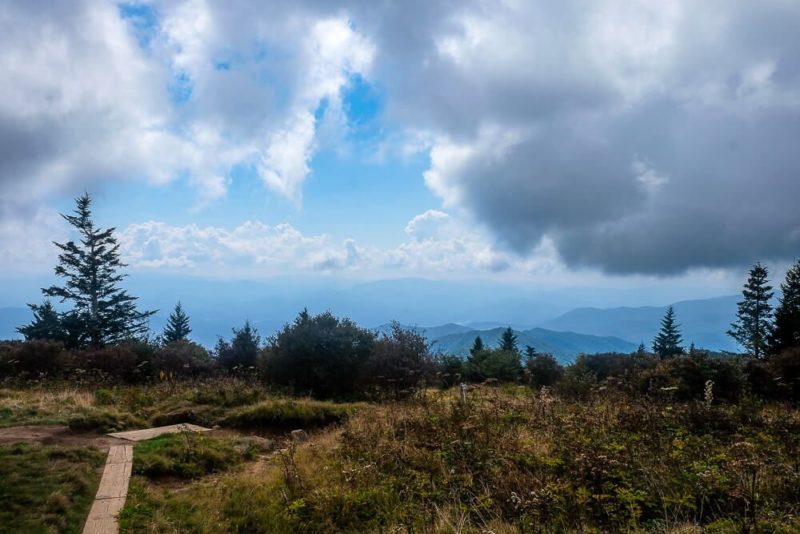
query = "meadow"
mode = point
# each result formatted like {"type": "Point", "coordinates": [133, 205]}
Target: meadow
{"type": "Point", "coordinates": [506, 458]}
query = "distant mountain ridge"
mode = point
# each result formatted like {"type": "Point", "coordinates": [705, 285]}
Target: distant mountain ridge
{"type": "Point", "coordinates": [703, 322]}
{"type": "Point", "coordinates": [565, 346]}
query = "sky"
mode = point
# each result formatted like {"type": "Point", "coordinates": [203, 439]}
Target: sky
{"type": "Point", "coordinates": [571, 143]}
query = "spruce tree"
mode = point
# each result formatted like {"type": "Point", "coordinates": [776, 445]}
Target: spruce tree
{"type": "Point", "coordinates": [753, 324]}
{"type": "Point", "coordinates": [177, 328]}
{"type": "Point", "coordinates": [477, 345]}
{"type": "Point", "coordinates": [530, 352]}
{"type": "Point", "coordinates": [667, 342]}
{"type": "Point", "coordinates": [786, 333]}
{"type": "Point", "coordinates": [46, 323]}
{"type": "Point", "coordinates": [508, 341]}
{"type": "Point", "coordinates": [106, 313]}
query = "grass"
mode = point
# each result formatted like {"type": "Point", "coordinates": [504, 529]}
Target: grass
{"type": "Point", "coordinates": [188, 455]}
{"type": "Point", "coordinates": [511, 461]}
{"type": "Point", "coordinates": [47, 488]}
{"type": "Point", "coordinates": [290, 413]}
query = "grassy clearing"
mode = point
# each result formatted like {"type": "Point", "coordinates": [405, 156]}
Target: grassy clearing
{"type": "Point", "coordinates": [188, 455]}
{"type": "Point", "coordinates": [49, 406]}
{"type": "Point", "coordinates": [510, 461]}
{"type": "Point", "coordinates": [47, 488]}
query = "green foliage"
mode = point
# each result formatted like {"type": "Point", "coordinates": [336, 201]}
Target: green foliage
{"type": "Point", "coordinates": [451, 369]}
{"type": "Point", "coordinates": [185, 455]}
{"type": "Point", "coordinates": [46, 323]}
{"type": "Point", "coordinates": [47, 488]}
{"type": "Point", "coordinates": [183, 358]}
{"type": "Point", "coordinates": [508, 341]}
{"type": "Point", "coordinates": [786, 332]}
{"type": "Point", "coordinates": [105, 421]}
{"type": "Point", "coordinates": [667, 342]}
{"type": "Point", "coordinates": [543, 370]}
{"type": "Point", "coordinates": [105, 312]}
{"type": "Point", "coordinates": [242, 352]}
{"type": "Point", "coordinates": [497, 364]}
{"type": "Point", "coordinates": [289, 414]}
{"type": "Point", "coordinates": [177, 328]}
{"type": "Point", "coordinates": [398, 363]}
{"type": "Point", "coordinates": [753, 325]}
{"type": "Point", "coordinates": [320, 355]}
{"type": "Point", "coordinates": [477, 345]}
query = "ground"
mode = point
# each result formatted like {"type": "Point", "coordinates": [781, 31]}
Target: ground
{"type": "Point", "coordinates": [510, 459]}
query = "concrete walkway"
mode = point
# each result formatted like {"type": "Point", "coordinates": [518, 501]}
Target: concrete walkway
{"type": "Point", "coordinates": [113, 488]}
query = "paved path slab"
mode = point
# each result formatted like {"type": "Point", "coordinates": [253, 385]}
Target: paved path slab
{"type": "Point", "coordinates": [150, 433]}
{"type": "Point", "coordinates": [112, 492]}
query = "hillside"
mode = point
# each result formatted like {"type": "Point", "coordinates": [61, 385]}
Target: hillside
{"type": "Point", "coordinates": [703, 322]}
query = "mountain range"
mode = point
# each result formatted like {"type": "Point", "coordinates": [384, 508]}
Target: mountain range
{"type": "Point", "coordinates": [562, 321]}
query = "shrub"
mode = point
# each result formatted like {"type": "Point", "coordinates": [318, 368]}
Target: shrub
{"type": "Point", "coordinates": [686, 377]}
{"type": "Point", "coordinates": [103, 397]}
{"type": "Point", "coordinates": [118, 362]}
{"type": "Point", "coordinates": [289, 414]}
{"type": "Point", "coordinates": [34, 358]}
{"type": "Point", "coordinates": [242, 351]}
{"type": "Point", "coordinates": [497, 364]}
{"type": "Point", "coordinates": [451, 370]}
{"type": "Point", "coordinates": [105, 421]}
{"type": "Point", "coordinates": [543, 370]}
{"type": "Point", "coordinates": [183, 358]}
{"type": "Point", "coordinates": [398, 362]}
{"type": "Point", "coordinates": [320, 355]}
{"type": "Point", "coordinates": [785, 367]}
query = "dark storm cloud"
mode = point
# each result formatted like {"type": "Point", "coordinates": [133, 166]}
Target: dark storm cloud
{"type": "Point", "coordinates": [653, 138]}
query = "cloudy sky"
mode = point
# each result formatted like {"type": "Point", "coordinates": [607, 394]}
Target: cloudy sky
{"type": "Point", "coordinates": [570, 142]}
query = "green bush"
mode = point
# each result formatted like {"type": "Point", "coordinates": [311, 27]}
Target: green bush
{"type": "Point", "coordinates": [497, 364]}
{"type": "Point", "coordinates": [543, 370]}
{"type": "Point", "coordinates": [105, 421]}
{"type": "Point", "coordinates": [182, 358]}
{"type": "Point", "coordinates": [319, 355]}
{"type": "Point", "coordinates": [289, 414]}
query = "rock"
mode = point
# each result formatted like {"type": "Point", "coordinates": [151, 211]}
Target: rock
{"type": "Point", "coordinates": [299, 436]}
{"type": "Point", "coordinates": [215, 427]}
{"type": "Point", "coordinates": [255, 443]}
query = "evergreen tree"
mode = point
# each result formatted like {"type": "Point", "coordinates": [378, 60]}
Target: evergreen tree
{"type": "Point", "coordinates": [641, 349]}
{"type": "Point", "coordinates": [753, 324]}
{"type": "Point", "coordinates": [668, 341]}
{"type": "Point", "coordinates": [177, 326]}
{"type": "Point", "coordinates": [530, 352]}
{"type": "Point", "coordinates": [105, 312]}
{"type": "Point", "coordinates": [46, 323]}
{"type": "Point", "coordinates": [242, 351]}
{"type": "Point", "coordinates": [786, 333]}
{"type": "Point", "coordinates": [477, 345]}
{"type": "Point", "coordinates": [508, 341]}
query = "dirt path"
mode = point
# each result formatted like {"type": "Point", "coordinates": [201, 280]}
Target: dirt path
{"type": "Point", "coordinates": [56, 435]}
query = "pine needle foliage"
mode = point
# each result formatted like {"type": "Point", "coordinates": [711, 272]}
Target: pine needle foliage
{"type": "Point", "coordinates": [90, 269]}
{"type": "Point", "coordinates": [667, 342]}
{"type": "Point", "coordinates": [753, 326]}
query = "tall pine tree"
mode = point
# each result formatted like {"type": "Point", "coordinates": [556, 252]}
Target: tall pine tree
{"type": "Point", "coordinates": [667, 342]}
{"type": "Point", "coordinates": [106, 313]}
{"type": "Point", "coordinates": [177, 328]}
{"type": "Point", "coordinates": [786, 332]}
{"type": "Point", "coordinates": [508, 341]}
{"type": "Point", "coordinates": [753, 325]}
{"type": "Point", "coordinates": [477, 345]}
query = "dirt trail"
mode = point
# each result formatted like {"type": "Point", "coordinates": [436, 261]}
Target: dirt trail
{"type": "Point", "coordinates": [56, 435]}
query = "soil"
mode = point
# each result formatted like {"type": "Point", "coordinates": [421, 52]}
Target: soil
{"type": "Point", "coordinates": [56, 435]}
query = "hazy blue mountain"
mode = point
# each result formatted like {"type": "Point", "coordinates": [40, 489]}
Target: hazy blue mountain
{"type": "Point", "coordinates": [703, 322]}
{"type": "Point", "coordinates": [565, 346]}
